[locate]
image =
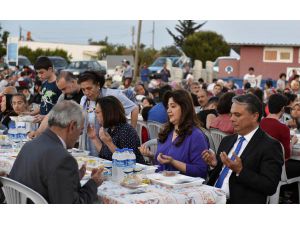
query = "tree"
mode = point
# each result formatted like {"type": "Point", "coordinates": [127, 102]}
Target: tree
{"type": "Point", "coordinates": [170, 51]}
{"type": "Point", "coordinates": [101, 42]}
{"type": "Point", "coordinates": [33, 55]}
{"type": "Point", "coordinates": [147, 56]}
{"type": "Point", "coordinates": [205, 45]}
{"type": "Point", "coordinates": [185, 29]}
{"type": "Point", "coordinates": [3, 41]}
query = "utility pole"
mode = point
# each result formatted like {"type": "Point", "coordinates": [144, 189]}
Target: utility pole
{"type": "Point", "coordinates": [132, 36]}
{"type": "Point", "coordinates": [153, 32]}
{"type": "Point", "coordinates": [136, 60]}
{"type": "Point", "coordinates": [20, 33]}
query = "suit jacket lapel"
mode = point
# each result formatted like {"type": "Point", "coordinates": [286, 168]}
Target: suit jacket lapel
{"type": "Point", "coordinates": [230, 144]}
{"type": "Point", "coordinates": [253, 142]}
{"type": "Point", "coordinates": [226, 148]}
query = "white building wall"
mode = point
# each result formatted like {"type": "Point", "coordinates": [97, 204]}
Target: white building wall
{"type": "Point", "coordinates": [77, 52]}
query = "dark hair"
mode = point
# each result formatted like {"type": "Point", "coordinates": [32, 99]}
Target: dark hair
{"type": "Point", "coordinates": [247, 86]}
{"type": "Point", "coordinates": [282, 75]}
{"type": "Point", "coordinates": [21, 88]}
{"type": "Point", "coordinates": [214, 80]}
{"type": "Point", "coordinates": [23, 73]}
{"type": "Point", "coordinates": [213, 100]}
{"type": "Point", "coordinates": [204, 86]}
{"type": "Point", "coordinates": [188, 116]}
{"type": "Point", "coordinates": [290, 96]}
{"type": "Point", "coordinates": [259, 93]}
{"type": "Point", "coordinates": [145, 112]}
{"type": "Point", "coordinates": [150, 100]}
{"type": "Point", "coordinates": [67, 75]}
{"type": "Point", "coordinates": [20, 95]}
{"type": "Point", "coordinates": [38, 82]}
{"type": "Point", "coordinates": [225, 103]}
{"type": "Point", "coordinates": [162, 91]}
{"type": "Point", "coordinates": [251, 68]}
{"type": "Point", "coordinates": [94, 76]}
{"type": "Point", "coordinates": [112, 110]}
{"type": "Point", "coordinates": [276, 103]}
{"type": "Point", "coordinates": [254, 105]}
{"type": "Point", "coordinates": [43, 62]}
{"type": "Point", "coordinates": [200, 80]}
{"type": "Point", "coordinates": [269, 83]}
{"type": "Point", "coordinates": [8, 102]}
{"type": "Point", "coordinates": [195, 99]}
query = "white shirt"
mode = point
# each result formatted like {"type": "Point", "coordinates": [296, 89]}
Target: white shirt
{"type": "Point", "coordinates": [225, 186]}
{"type": "Point", "coordinates": [251, 79]}
{"type": "Point", "coordinates": [280, 84]}
{"type": "Point", "coordinates": [62, 141]}
{"type": "Point", "coordinates": [210, 87]}
{"type": "Point", "coordinates": [3, 84]}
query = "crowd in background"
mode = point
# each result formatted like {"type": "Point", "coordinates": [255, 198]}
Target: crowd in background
{"type": "Point", "coordinates": [186, 108]}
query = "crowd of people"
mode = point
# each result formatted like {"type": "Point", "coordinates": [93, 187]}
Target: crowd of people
{"type": "Point", "coordinates": [88, 112]}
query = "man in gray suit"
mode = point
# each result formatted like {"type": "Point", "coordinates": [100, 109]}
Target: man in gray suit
{"type": "Point", "coordinates": [45, 165]}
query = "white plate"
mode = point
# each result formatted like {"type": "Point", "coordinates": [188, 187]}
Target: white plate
{"type": "Point", "coordinates": [178, 180]}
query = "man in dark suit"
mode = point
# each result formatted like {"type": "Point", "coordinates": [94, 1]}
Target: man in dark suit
{"type": "Point", "coordinates": [45, 165]}
{"type": "Point", "coordinates": [248, 164]}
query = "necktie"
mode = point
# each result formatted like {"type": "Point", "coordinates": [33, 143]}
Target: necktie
{"type": "Point", "coordinates": [224, 172]}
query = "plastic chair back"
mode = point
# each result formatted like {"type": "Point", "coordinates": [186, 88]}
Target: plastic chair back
{"type": "Point", "coordinates": [17, 193]}
{"type": "Point", "coordinates": [217, 137]}
{"type": "Point", "coordinates": [154, 129]}
{"type": "Point", "coordinates": [152, 145]}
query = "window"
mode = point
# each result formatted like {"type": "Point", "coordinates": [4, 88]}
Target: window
{"type": "Point", "coordinates": [283, 55]}
{"type": "Point", "coordinates": [271, 55]}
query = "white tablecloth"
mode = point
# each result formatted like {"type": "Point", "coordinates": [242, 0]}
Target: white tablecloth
{"type": "Point", "coordinates": [112, 193]}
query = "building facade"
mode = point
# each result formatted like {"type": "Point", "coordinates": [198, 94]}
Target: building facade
{"type": "Point", "coordinates": [77, 52]}
{"type": "Point", "coordinates": [268, 60]}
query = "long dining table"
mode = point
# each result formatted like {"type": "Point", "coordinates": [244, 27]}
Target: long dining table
{"type": "Point", "coordinates": [152, 193]}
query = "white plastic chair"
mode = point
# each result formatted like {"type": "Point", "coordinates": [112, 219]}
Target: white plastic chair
{"type": "Point", "coordinates": [210, 140]}
{"type": "Point", "coordinates": [217, 137]}
{"type": "Point", "coordinates": [17, 193]}
{"type": "Point", "coordinates": [152, 145]}
{"type": "Point", "coordinates": [139, 126]}
{"type": "Point", "coordinates": [274, 199]}
{"type": "Point", "coordinates": [154, 129]}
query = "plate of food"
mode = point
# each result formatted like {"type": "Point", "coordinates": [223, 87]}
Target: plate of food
{"type": "Point", "coordinates": [169, 173]}
{"type": "Point", "coordinates": [78, 152]}
{"type": "Point", "coordinates": [132, 182]}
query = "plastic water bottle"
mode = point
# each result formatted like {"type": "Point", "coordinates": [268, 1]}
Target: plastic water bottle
{"type": "Point", "coordinates": [126, 155]}
{"type": "Point", "coordinates": [12, 132]}
{"type": "Point", "coordinates": [131, 160]}
{"type": "Point", "coordinates": [114, 165]}
{"type": "Point", "coordinates": [21, 130]}
{"type": "Point", "coordinates": [119, 165]}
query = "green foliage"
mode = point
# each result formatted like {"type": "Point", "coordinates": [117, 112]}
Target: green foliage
{"type": "Point", "coordinates": [170, 51]}
{"type": "Point", "coordinates": [33, 55]}
{"type": "Point", "coordinates": [185, 29]}
{"type": "Point", "coordinates": [101, 42]}
{"type": "Point", "coordinates": [205, 45]}
{"type": "Point", "coordinates": [111, 49]}
{"type": "Point", "coordinates": [147, 56]}
{"type": "Point", "coordinates": [3, 41]}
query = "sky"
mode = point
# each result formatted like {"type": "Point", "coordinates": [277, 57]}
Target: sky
{"type": "Point", "coordinates": [119, 31]}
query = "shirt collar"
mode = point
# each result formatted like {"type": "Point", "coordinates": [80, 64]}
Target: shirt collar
{"type": "Point", "coordinates": [62, 141]}
{"type": "Point", "coordinates": [249, 135]}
